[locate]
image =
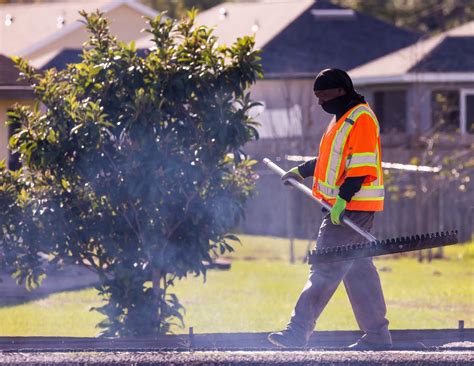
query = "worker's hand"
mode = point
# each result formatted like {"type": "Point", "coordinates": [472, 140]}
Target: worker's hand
{"type": "Point", "coordinates": [292, 173]}
{"type": "Point", "coordinates": [337, 211]}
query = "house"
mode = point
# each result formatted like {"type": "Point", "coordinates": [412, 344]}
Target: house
{"type": "Point", "coordinates": [39, 32]}
{"type": "Point", "coordinates": [60, 26]}
{"type": "Point", "coordinates": [426, 86]}
{"type": "Point", "coordinates": [11, 90]}
{"type": "Point", "coordinates": [298, 39]}
{"type": "Point", "coordinates": [24, 26]}
{"type": "Point", "coordinates": [421, 89]}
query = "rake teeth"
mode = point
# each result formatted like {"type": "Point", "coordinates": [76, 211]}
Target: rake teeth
{"type": "Point", "coordinates": [382, 247]}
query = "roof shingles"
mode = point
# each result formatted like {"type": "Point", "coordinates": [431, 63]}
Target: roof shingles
{"type": "Point", "coordinates": [448, 52]}
{"type": "Point", "coordinates": [9, 74]}
{"type": "Point", "coordinates": [310, 44]}
{"type": "Point", "coordinates": [452, 54]}
{"type": "Point", "coordinates": [294, 42]}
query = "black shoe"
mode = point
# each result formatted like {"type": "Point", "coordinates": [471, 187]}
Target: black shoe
{"type": "Point", "coordinates": [363, 345]}
{"type": "Point", "coordinates": [287, 339]}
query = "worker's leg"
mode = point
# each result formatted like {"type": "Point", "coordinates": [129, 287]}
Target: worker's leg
{"type": "Point", "coordinates": [321, 285]}
{"type": "Point", "coordinates": [363, 286]}
{"type": "Point", "coordinates": [325, 277]}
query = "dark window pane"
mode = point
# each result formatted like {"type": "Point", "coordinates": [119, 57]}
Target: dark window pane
{"type": "Point", "coordinates": [13, 160]}
{"type": "Point", "coordinates": [445, 107]}
{"type": "Point", "coordinates": [470, 113]}
{"type": "Point", "coordinates": [390, 107]}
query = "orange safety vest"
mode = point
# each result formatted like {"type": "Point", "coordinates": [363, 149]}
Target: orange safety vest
{"type": "Point", "coordinates": [350, 147]}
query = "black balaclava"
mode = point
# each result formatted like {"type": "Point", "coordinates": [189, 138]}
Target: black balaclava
{"type": "Point", "coordinates": [336, 78]}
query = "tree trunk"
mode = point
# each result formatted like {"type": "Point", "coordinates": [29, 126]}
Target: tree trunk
{"type": "Point", "coordinates": [155, 279]}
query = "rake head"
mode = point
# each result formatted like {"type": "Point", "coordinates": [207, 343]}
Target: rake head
{"type": "Point", "coordinates": [382, 247]}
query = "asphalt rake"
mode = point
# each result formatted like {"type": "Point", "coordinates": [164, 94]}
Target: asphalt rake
{"type": "Point", "coordinates": [369, 246]}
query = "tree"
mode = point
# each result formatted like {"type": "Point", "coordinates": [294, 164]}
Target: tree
{"type": "Point", "coordinates": [135, 169]}
{"type": "Point", "coordinates": [179, 7]}
{"type": "Point", "coordinates": [426, 16]}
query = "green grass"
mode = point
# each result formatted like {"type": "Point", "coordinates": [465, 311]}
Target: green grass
{"type": "Point", "coordinates": [61, 314]}
{"type": "Point", "coordinates": [260, 290]}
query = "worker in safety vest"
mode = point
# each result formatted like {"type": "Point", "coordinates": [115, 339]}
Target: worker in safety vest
{"type": "Point", "coordinates": [347, 174]}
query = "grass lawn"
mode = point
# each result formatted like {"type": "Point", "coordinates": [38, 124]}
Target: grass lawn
{"type": "Point", "coordinates": [259, 292]}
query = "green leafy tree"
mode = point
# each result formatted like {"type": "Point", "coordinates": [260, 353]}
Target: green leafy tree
{"type": "Point", "coordinates": [426, 16]}
{"type": "Point", "coordinates": [134, 169]}
{"type": "Point", "coordinates": [16, 224]}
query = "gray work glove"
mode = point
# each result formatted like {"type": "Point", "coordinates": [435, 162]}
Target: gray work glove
{"type": "Point", "coordinates": [292, 173]}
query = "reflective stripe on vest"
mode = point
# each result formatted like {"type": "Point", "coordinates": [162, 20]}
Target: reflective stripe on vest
{"type": "Point", "coordinates": [362, 159]}
{"type": "Point", "coordinates": [366, 192]}
{"type": "Point", "coordinates": [336, 151]}
{"type": "Point", "coordinates": [379, 170]}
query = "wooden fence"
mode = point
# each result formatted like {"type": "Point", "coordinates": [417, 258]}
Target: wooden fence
{"type": "Point", "coordinates": [279, 210]}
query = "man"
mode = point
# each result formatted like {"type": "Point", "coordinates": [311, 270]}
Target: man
{"type": "Point", "coordinates": [348, 175]}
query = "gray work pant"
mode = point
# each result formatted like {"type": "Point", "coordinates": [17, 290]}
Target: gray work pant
{"type": "Point", "coordinates": [361, 281]}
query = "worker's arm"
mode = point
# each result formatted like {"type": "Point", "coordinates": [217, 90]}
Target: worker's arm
{"type": "Point", "coordinates": [350, 187]}
{"type": "Point", "coordinates": [301, 171]}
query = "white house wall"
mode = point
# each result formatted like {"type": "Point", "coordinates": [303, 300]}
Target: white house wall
{"type": "Point", "coordinates": [290, 95]}
{"type": "Point", "coordinates": [418, 111]}
{"type": "Point", "coordinates": [3, 130]}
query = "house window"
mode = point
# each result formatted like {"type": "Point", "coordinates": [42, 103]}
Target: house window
{"type": "Point", "coordinates": [390, 108]}
{"type": "Point", "coordinates": [278, 122]}
{"type": "Point", "coordinates": [445, 107]}
{"type": "Point", "coordinates": [467, 111]}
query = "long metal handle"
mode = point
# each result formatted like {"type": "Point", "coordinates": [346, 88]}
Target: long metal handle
{"type": "Point", "coordinates": [301, 187]}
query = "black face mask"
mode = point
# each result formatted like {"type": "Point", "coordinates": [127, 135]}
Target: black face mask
{"type": "Point", "coordinates": [336, 105]}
